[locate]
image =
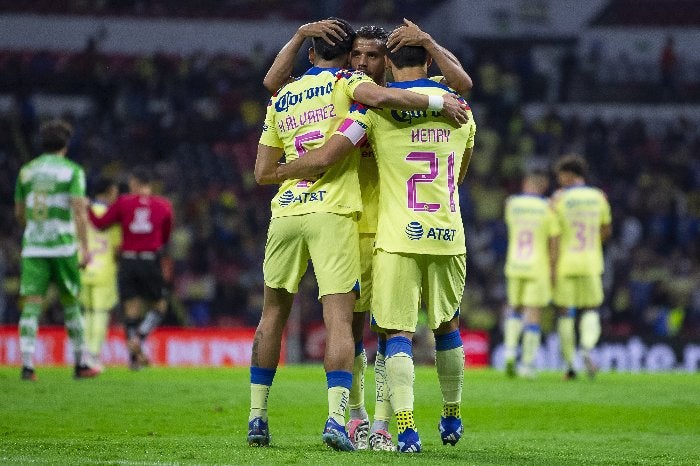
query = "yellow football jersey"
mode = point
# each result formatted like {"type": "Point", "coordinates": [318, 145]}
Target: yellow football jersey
{"type": "Point", "coordinates": [581, 211]}
{"type": "Point", "coordinates": [419, 154]}
{"type": "Point", "coordinates": [103, 247]}
{"type": "Point", "coordinates": [300, 116]}
{"type": "Point", "coordinates": [531, 223]}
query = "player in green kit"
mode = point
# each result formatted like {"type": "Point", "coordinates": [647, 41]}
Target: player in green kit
{"type": "Point", "coordinates": [420, 250]}
{"type": "Point", "coordinates": [309, 218]}
{"type": "Point", "coordinates": [368, 55]}
{"type": "Point", "coordinates": [533, 237]}
{"type": "Point", "coordinates": [99, 278]}
{"type": "Point", "coordinates": [584, 217]}
{"type": "Point", "coordinates": [50, 202]}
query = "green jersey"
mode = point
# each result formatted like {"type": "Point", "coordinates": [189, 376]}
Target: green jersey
{"type": "Point", "coordinates": [581, 211]}
{"type": "Point", "coordinates": [419, 154]}
{"type": "Point", "coordinates": [45, 186]}
{"type": "Point", "coordinates": [531, 223]}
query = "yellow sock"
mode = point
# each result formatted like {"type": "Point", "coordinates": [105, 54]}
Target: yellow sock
{"type": "Point", "coordinates": [337, 403]}
{"type": "Point", "coordinates": [511, 335]}
{"type": "Point", "coordinates": [589, 329]}
{"type": "Point", "coordinates": [404, 420]}
{"type": "Point", "coordinates": [531, 344]}
{"type": "Point", "coordinates": [450, 370]}
{"type": "Point", "coordinates": [400, 375]}
{"type": "Point", "coordinates": [357, 391]}
{"type": "Point", "coordinates": [258, 401]}
{"type": "Point", "coordinates": [567, 339]}
{"type": "Point", "coordinates": [382, 406]}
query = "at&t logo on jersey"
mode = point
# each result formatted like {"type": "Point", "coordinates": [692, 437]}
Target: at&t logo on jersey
{"type": "Point", "coordinates": [288, 197]}
{"type": "Point", "coordinates": [415, 231]}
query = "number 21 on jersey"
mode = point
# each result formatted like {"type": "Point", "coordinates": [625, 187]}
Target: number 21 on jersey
{"type": "Point", "coordinates": [430, 177]}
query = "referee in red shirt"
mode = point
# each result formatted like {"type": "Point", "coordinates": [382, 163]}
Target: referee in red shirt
{"type": "Point", "coordinates": [146, 222]}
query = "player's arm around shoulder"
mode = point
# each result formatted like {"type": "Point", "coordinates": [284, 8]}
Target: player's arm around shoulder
{"type": "Point", "coordinates": [317, 161]}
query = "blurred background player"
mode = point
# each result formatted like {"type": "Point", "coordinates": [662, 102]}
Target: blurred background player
{"type": "Point", "coordinates": [368, 54]}
{"type": "Point", "coordinates": [99, 278]}
{"type": "Point", "coordinates": [533, 237]}
{"type": "Point", "coordinates": [50, 202]}
{"type": "Point", "coordinates": [146, 221]}
{"type": "Point", "coordinates": [584, 216]}
{"type": "Point", "coordinates": [425, 260]}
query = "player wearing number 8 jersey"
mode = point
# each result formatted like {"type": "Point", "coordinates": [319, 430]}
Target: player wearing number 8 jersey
{"type": "Point", "coordinates": [420, 250]}
{"type": "Point", "coordinates": [316, 220]}
{"type": "Point", "coordinates": [533, 233]}
{"type": "Point", "coordinates": [584, 217]}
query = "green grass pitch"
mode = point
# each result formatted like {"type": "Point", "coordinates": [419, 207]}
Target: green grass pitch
{"type": "Point", "coordinates": [199, 416]}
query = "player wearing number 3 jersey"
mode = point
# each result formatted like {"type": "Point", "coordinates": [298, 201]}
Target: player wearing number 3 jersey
{"type": "Point", "coordinates": [420, 251]}
{"type": "Point", "coordinates": [533, 233]}
{"type": "Point", "coordinates": [584, 217]}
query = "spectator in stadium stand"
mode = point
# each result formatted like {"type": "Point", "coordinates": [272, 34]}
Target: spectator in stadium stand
{"type": "Point", "coordinates": [50, 203]}
{"type": "Point", "coordinates": [146, 222]}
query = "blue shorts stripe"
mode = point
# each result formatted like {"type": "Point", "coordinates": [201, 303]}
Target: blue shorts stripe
{"type": "Point", "coordinates": [448, 341]}
{"type": "Point", "coordinates": [396, 345]}
{"type": "Point", "coordinates": [571, 312]}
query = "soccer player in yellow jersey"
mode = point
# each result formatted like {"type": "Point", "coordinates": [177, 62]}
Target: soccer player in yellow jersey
{"type": "Point", "coordinates": [584, 217]}
{"type": "Point", "coordinates": [310, 219]}
{"type": "Point", "coordinates": [98, 295]}
{"type": "Point", "coordinates": [368, 55]}
{"type": "Point", "coordinates": [420, 251]}
{"type": "Point", "coordinates": [533, 239]}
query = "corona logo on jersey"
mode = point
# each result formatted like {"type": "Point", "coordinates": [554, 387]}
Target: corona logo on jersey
{"type": "Point", "coordinates": [415, 231]}
{"type": "Point", "coordinates": [288, 99]}
{"type": "Point", "coordinates": [288, 197]}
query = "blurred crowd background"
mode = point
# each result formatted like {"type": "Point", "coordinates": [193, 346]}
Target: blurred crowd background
{"type": "Point", "coordinates": [195, 116]}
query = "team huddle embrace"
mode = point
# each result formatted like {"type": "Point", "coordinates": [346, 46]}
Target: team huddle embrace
{"type": "Point", "coordinates": [385, 236]}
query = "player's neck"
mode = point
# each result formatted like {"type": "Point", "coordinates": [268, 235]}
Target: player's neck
{"type": "Point", "coordinates": [321, 63]}
{"type": "Point", "coordinates": [409, 73]}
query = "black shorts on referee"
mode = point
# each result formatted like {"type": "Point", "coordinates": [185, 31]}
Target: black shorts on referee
{"type": "Point", "coordinates": [140, 276]}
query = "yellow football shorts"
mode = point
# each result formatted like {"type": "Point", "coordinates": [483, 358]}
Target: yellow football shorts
{"type": "Point", "coordinates": [529, 292]}
{"type": "Point", "coordinates": [579, 291]}
{"type": "Point", "coordinates": [364, 303]}
{"type": "Point", "coordinates": [329, 240]}
{"type": "Point", "coordinates": [100, 298]}
{"type": "Point", "coordinates": [400, 281]}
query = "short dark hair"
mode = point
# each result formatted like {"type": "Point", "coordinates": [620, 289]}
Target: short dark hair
{"type": "Point", "coordinates": [408, 55]}
{"type": "Point", "coordinates": [328, 51]}
{"type": "Point", "coordinates": [102, 184]}
{"type": "Point", "coordinates": [373, 32]}
{"type": "Point", "coordinates": [572, 163]}
{"type": "Point", "coordinates": [54, 135]}
{"type": "Point", "coordinates": [143, 175]}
